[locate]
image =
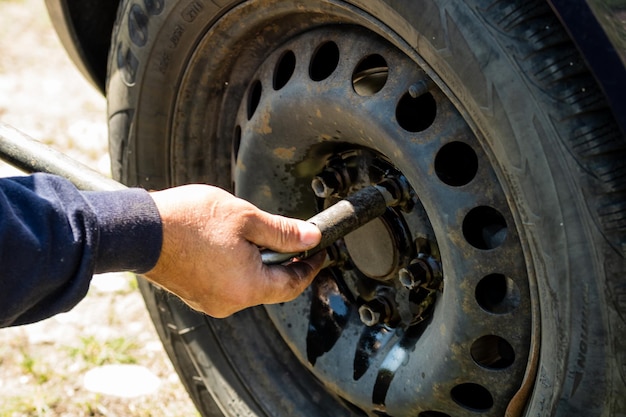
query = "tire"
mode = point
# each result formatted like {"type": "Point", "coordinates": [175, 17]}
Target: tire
{"type": "Point", "coordinates": [514, 201]}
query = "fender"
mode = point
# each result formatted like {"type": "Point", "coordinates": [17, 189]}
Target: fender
{"type": "Point", "coordinates": [600, 36]}
{"type": "Point", "coordinates": [84, 28]}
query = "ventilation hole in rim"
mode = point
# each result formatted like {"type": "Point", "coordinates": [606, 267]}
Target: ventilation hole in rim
{"type": "Point", "coordinates": [154, 7]}
{"type": "Point", "coordinates": [456, 164]}
{"type": "Point", "coordinates": [138, 25]}
{"type": "Point", "coordinates": [254, 97]}
{"type": "Point", "coordinates": [284, 70]}
{"type": "Point", "coordinates": [370, 76]}
{"type": "Point", "coordinates": [324, 62]}
{"type": "Point", "coordinates": [432, 414]}
{"type": "Point", "coordinates": [472, 396]}
{"type": "Point", "coordinates": [498, 294]}
{"type": "Point", "coordinates": [416, 114]}
{"type": "Point", "coordinates": [484, 228]}
{"type": "Point", "coordinates": [493, 352]}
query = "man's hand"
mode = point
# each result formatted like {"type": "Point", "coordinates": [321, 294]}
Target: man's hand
{"type": "Point", "coordinates": [210, 256]}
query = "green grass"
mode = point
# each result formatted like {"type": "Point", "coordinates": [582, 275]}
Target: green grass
{"type": "Point", "coordinates": [29, 406]}
{"type": "Point", "coordinates": [39, 370]}
{"type": "Point", "coordinates": [95, 352]}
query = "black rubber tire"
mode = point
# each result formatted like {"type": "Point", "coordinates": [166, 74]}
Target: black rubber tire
{"type": "Point", "coordinates": [510, 69]}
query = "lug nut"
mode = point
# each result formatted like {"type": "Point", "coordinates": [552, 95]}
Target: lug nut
{"type": "Point", "coordinates": [376, 311]}
{"type": "Point", "coordinates": [398, 189]}
{"type": "Point", "coordinates": [424, 271]}
{"type": "Point", "coordinates": [395, 187]}
{"type": "Point", "coordinates": [328, 182]}
{"type": "Point", "coordinates": [368, 315]}
{"type": "Point", "coordinates": [415, 274]}
{"type": "Point", "coordinates": [324, 185]}
{"type": "Point", "coordinates": [336, 178]}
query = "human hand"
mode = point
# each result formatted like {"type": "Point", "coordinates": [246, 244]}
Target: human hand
{"type": "Point", "coordinates": [210, 256]}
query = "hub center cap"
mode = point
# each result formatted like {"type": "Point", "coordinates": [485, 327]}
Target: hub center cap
{"type": "Point", "coordinates": [375, 259]}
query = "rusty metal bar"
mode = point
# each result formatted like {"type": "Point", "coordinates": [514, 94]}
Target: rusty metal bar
{"type": "Point", "coordinates": [340, 219]}
{"type": "Point", "coordinates": [30, 155]}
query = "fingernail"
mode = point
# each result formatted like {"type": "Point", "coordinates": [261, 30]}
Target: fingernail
{"type": "Point", "coordinates": [310, 235]}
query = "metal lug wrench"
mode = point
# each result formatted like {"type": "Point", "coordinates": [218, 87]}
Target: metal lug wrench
{"type": "Point", "coordinates": [342, 218]}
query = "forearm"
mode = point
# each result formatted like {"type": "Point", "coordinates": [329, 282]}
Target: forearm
{"type": "Point", "coordinates": [198, 242]}
{"type": "Point", "coordinates": [54, 237]}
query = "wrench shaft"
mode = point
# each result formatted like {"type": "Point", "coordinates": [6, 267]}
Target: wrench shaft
{"type": "Point", "coordinates": [340, 219]}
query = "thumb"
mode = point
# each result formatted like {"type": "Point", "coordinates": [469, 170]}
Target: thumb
{"type": "Point", "coordinates": [282, 234]}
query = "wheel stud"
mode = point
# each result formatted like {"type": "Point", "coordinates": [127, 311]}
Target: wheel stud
{"type": "Point", "coordinates": [421, 87]}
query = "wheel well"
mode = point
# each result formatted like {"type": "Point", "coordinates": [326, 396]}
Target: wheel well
{"type": "Point", "coordinates": [85, 27]}
{"type": "Point", "coordinates": [598, 40]}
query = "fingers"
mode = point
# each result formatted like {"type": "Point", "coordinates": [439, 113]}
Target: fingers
{"type": "Point", "coordinates": [280, 233]}
{"type": "Point", "coordinates": [280, 283]}
{"type": "Point", "coordinates": [287, 282]}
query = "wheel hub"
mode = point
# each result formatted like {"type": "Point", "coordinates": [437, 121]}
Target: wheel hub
{"type": "Point", "coordinates": [426, 310]}
{"type": "Point", "coordinates": [375, 262]}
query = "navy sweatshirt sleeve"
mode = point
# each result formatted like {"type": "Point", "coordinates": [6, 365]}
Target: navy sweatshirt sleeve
{"type": "Point", "coordinates": [53, 238]}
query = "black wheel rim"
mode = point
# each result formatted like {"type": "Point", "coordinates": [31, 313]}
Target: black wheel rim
{"type": "Point", "coordinates": [283, 90]}
{"type": "Point", "coordinates": [342, 99]}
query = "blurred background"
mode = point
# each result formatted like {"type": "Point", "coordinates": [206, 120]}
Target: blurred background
{"type": "Point", "coordinates": [103, 358]}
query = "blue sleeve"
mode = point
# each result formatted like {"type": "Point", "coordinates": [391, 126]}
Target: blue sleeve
{"type": "Point", "coordinates": [53, 238]}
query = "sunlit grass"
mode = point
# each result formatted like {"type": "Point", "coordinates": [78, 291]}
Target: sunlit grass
{"type": "Point", "coordinates": [95, 352]}
{"type": "Point", "coordinates": [39, 370]}
{"type": "Point", "coordinates": [29, 406]}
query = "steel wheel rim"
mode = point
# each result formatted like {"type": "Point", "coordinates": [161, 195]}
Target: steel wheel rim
{"type": "Point", "coordinates": [273, 170]}
{"type": "Point", "coordinates": [442, 392]}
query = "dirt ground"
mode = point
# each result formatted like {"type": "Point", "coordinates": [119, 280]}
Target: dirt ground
{"type": "Point", "coordinates": [104, 357]}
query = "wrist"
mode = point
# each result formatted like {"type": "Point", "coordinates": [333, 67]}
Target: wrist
{"type": "Point", "coordinates": [130, 233]}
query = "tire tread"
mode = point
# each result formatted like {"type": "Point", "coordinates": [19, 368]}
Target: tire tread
{"type": "Point", "coordinates": [581, 114]}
